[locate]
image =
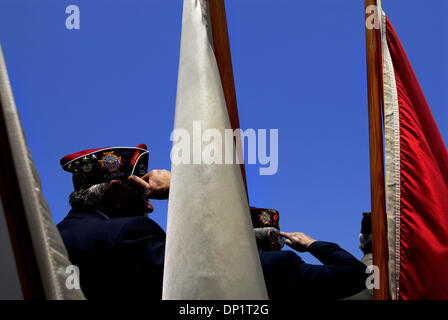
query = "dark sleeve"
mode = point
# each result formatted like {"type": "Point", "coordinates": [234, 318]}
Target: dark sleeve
{"type": "Point", "coordinates": [341, 275]}
{"type": "Point", "coordinates": [141, 248]}
{"type": "Point", "coordinates": [331, 254]}
{"type": "Point", "coordinates": [143, 241]}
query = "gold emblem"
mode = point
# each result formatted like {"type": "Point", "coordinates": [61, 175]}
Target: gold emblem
{"type": "Point", "coordinates": [87, 167]}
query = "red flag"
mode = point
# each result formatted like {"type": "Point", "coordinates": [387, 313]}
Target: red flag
{"type": "Point", "coordinates": [416, 162]}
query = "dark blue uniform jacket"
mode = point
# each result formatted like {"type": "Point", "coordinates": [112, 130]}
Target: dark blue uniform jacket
{"type": "Point", "coordinates": [117, 258]}
{"type": "Point", "coordinates": [288, 277]}
{"type": "Point", "coordinates": [123, 258]}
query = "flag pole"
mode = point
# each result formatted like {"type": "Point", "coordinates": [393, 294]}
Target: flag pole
{"type": "Point", "coordinates": [221, 46]}
{"type": "Point", "coordinates": [379, 249]}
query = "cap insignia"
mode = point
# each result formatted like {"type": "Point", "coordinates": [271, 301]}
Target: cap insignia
{"type": "Point", "coordinates": [110, 162]}
{"type": "Point", "coordinates": [265, 218]}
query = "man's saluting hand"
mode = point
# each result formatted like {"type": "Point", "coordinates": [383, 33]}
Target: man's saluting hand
{"type": "Point", "coordinates": [155, 184]}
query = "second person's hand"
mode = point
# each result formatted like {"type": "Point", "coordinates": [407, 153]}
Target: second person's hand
{"type": "Point", "coordinates": [298, 240]}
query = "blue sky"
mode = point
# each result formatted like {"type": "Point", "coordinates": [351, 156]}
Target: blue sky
{"type": "Point", "coordinates": [299, 67]}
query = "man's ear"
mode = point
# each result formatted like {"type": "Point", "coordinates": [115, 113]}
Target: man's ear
{"type": "Point", "coordinates": [113, 185]}
{"type": "Point", "coordinates": [270, 236]}
{"type": "Point", "coordinates": [113, 188]}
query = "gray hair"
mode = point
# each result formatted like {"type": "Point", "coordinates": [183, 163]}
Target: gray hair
{"type": "Point", "coordinates": [261, 235]}
{"type": "Point", "coordinates": [90, 198]}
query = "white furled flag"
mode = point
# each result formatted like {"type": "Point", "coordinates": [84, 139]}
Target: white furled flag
{"type": "Point", "coordinates": [37, 265]}
{"type": "Point", "coordinates": [416, 171]}
{"type": "Point", "coordinates": [211, 251]}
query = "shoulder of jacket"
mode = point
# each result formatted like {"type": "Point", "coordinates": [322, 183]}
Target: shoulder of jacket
{"type": "Point", "coordinates": [133, 228]}
{"type": "Point", "coordinates": [285, 256]}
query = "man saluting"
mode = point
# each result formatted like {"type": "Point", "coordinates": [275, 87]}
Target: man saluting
{"type": "Point", "coordinates": [288, 276]}
{"type": "Point", "coordinates": [118, 249]}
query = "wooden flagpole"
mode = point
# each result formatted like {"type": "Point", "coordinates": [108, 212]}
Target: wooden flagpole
{"type": "Point", "coordinates": [377, 183]}
{"type": "Point", "coordinates": [221, 46]}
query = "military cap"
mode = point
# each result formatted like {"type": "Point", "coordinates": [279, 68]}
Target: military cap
{"type": "Point", "coordinates": [264, 218]}
{"type": "Point", "coordinates": [93, 166]}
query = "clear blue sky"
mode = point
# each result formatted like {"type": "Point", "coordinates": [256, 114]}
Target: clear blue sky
{"type": "Point", "coordinates": [299, 67]}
